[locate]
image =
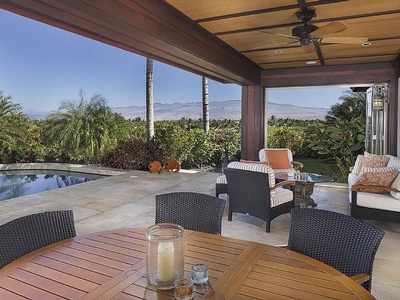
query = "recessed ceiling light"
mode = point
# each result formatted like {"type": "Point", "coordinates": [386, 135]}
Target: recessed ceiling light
{"type": "Point", "coordinates": [311, 62]}
{"type": "Point", "coordinates": [278, 51]}
{"type": "Point", "coordinates": [366, 44]}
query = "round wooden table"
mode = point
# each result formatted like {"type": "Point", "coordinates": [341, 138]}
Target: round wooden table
{"type": "Point", "coordinates": [112, 265]}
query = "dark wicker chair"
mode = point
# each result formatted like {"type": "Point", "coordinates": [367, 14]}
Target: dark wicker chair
{"type": "Point", "coordinates": [343, 242]}
{"type": "Point", "coordinates": [23, 235]}
{"type": "Point", "coordinates": [250, 193]}
{"type": "Point", "coordinates": [193, 211]}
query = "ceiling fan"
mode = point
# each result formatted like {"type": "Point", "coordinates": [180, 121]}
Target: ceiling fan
{"type": "Point", "coordinates": [307, 34]}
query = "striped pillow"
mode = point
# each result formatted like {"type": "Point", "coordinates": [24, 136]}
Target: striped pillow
{"type": "Point", "coordinates": [377, 170]}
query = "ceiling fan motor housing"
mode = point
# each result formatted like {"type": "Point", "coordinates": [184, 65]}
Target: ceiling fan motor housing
{"type": "Point", "coordinates": [303, 31]}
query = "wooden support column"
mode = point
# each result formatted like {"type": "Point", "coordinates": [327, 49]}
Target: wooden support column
{"type": "Point", "coordinates": [253, 121]}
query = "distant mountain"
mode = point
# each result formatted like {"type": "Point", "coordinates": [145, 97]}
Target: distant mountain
{"type": "Point", "coordinates": [218, 110]}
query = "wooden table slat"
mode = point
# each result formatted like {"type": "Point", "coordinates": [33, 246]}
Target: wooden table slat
{"type": "Point", "coordinates": [26, 290]}
{"type": "Point", "coordinates": [72, 270]}
{"type": "Point", "coordinates": [82, 263]}
{"type": "Point", "coordinates": [300, 287]}
{"type": "Point", "coordinates": [102, 260]}
{"type": "Point", "coordinates": [295, 277]}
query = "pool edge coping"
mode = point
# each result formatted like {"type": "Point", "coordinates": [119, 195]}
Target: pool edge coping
{"type": "Point", "coordinates": [78, 168]}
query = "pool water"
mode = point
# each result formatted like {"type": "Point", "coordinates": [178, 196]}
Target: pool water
{"type": "Point", "coordinates": [20, 183]}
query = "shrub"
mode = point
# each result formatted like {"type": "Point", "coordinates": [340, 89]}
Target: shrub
{"type": "Point", "coordinates": [134, 155]}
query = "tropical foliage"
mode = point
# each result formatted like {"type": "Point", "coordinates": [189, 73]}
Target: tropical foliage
{"type": "Point", "coordinates": [18, 137]}
{"type": "Point", "coordinates": [344, 134]}
{"type": "Point", "coordinates": [87, 131]}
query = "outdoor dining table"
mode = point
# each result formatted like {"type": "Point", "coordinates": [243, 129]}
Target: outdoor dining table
{"type": "Point", "coordinates": [112, 265]}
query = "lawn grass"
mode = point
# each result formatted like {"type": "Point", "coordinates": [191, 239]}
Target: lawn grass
{"type": "Point", "coordinates": [319, 166]}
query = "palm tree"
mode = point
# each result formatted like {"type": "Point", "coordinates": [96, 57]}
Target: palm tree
{"type": "Point", "coordinates": [13, 126]}
{"type": "Point", "coordinates": [353, 105]}
{"type": "Point", "coordinates": [206, 105]}
{"type": "Point", "coordinates": [149, 99]}
{"type": "Point", "coordinates": [84, 128]}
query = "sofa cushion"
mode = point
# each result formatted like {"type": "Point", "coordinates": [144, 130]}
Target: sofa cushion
{"type": "Point", "coordinates": [382, 201]}
{"type": "Point", "coordinates": [393, 161]}
{"type": "Point", "coordinates": [379, 179]}
{"type": "Point", "coordinates": [357, 165]}
{"type": "Point", "coordinates": [374, 160]}
{"type": "Point", "coordinates": [396, 185]}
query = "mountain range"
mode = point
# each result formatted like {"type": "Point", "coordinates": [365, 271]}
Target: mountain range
{"type": "Point", "coordinates": [230, 109]}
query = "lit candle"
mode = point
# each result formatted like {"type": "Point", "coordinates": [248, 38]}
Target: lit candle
{"type": "Point", "coordinates": [165, 264]}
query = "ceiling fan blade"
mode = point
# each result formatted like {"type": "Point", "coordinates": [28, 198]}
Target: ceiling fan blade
{"type": "Point", "coordinates": [327, 29]}
{"type": "Point", "coordinates": [344, 40]}
{"type": "Point", "coordinates": [272, 45]}
{"type": "Point", "coordinates": [280, 34]}
{"type": "Point", "coordinates": [308, 48]}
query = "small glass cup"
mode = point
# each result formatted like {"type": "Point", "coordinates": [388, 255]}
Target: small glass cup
{"type": "Point", "coordinates": [184, 289]}
{"type": "Point", "coordinates": [199, 273]}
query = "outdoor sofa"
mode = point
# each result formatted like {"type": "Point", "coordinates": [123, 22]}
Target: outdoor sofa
{"type": "Point", "coordinates": [374, 188]}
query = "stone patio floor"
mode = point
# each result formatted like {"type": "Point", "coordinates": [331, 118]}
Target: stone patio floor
{"type": "Point", "coordinates": [127, 200]}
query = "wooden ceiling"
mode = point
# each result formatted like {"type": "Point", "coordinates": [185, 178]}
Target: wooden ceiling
{"type": "Point", "coordinates": [240, 41]}
{"type": "Point", "coordinates": [255, 29]}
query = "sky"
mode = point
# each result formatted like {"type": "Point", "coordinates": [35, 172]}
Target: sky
{"type": "Point", "coordinates": [41, 65]}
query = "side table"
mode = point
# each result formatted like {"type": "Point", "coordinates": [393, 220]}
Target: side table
{"type": "Point", "coordinates": [304, 186]}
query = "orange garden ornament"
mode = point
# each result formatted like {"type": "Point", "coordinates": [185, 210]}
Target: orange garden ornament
{"type": "Point", "coordinates": [173, 165]}
{"type": "Point", "coordinates": [155, 167]}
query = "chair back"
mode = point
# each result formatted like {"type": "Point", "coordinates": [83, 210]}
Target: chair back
{"type": "Point", "coordinates": [26, 234]}
{"type": "Point", "coordinates": [248, 192]}
{"type": "Point", "coordinates": [343, 242]}
{"type": "Point", "coordinates": [193, 211]}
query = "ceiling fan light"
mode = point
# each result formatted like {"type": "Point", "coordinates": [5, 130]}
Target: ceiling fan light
{"type": "Point", "coordinates": [278, 51]}
{"type": "Point", "coordinates": [311, 62]}
{"type": "Point", "coordinates": [366, 44]}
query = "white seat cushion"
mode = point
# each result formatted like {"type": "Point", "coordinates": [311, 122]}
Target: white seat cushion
{"type": "Point", "coordinates": [379, 201]}
{"type": "Point", "coordinates": [222, 180]}
{"type": "Point", "coordinates": [281, 196]}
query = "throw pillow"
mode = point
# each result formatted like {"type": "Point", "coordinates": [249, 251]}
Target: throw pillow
{"type": "Point", "coordinates": [278, 158]}
{"type": "Point", "coordinates": [374, 160]}
{"type": "Point", "coordinates": [377, 170]}
{"type": "Point", "coordinates": [396, 185]}
{"type": "Point", "coordinates": [378, 179]}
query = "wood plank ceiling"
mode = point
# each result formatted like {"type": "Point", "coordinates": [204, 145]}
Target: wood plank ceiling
{"type": "Point", "coordinates": [262, 29]}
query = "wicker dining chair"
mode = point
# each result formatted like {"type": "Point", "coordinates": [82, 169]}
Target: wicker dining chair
{"type": "Point", "coordinates": [193, 211]}
{"type": "Point", "coordinates": [26, 234]}
{"type": "Point", "coordinates": [343, 242]}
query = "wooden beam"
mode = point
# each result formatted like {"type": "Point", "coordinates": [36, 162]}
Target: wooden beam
{"type": "Point", "coordinates": [151, 28]}
{"type": "Point", "coordinates": [328, 75]}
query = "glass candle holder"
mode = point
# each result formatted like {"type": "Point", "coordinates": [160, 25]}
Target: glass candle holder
{"type": "Point", "coordinates": [184, 290]}
{"type": "Point", "coordinates": [164, 255]}
{"type": "Point", "coordinates": [199, 273]}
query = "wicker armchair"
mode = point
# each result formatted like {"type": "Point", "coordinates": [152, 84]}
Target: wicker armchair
{"type": "Point", "coordinates": [343, 242]}
{"type": "Point", "coordinates": [193, 211]}
{"type": "Point", "coordinates": [252, 190]}
{"type": "Point", "coordinates": [26, 234]}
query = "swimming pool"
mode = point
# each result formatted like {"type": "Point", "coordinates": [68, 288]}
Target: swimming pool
{"type": "Point", "coordinates": [26, 182]}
